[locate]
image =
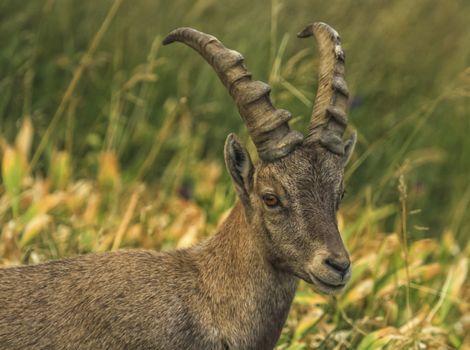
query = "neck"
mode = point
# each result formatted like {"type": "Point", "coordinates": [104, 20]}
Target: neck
{"type": "Point", "coordinates": [247, 297]}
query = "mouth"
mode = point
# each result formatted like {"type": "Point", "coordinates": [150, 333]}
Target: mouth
{"type": "Point", "coordinates": [324, 286]}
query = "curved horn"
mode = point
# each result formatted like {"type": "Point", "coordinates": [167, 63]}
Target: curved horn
{"type": "Point", "coordinates": [329, 118]}
{"type": "Point", "coordinates": [268, 126]}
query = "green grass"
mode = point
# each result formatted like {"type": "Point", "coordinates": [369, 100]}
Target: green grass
{"type": "Point", "coordinates": [105, 133]}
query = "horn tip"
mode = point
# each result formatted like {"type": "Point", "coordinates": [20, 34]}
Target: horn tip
{"type": "Point", "coordinates": [307, 32]}
{"type": "Point", "coordinates": [317, 28]}
{"type": "Point", "coordinates": [169, 39]}
{"type": "Point", "coordinates": [177, 34]}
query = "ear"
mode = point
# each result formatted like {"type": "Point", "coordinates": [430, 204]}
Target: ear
{"type": "Point", "coordinates": [349, 147]}
{"type": "Point", "coordinates": [239, 166]}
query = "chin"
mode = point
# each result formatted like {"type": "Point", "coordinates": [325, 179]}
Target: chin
{"type": "Point", "coordinates": [323, 286]}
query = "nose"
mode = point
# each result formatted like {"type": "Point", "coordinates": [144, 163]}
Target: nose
{"type": "Point", "coordinates": [339, 265]}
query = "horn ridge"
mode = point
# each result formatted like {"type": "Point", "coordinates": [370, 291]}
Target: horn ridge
{"type": "Point", "coordinates": [267, 126]}
{"type": "Point", "coordinates": [329, 118]}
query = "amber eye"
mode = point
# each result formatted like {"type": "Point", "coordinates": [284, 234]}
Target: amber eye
{"type": "Point", "coordinates": [271, 200]}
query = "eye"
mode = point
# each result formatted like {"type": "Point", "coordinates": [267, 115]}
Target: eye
{"type": "Point", "coordinates": [343, 193]}
{"type": "Point", "coordinates": [271, 200]}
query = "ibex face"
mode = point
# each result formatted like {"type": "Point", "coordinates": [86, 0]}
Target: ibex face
{"type": "Point", "coordinates": [292, 195]}
{"type": "Point", "coordinates": [293, 203]}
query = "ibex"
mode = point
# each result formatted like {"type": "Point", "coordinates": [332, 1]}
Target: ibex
{"type": "Point", "coordinates": [233, 290]}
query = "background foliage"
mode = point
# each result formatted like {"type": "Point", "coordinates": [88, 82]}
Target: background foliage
{"type": "Point", "coordinates": [110, 140]}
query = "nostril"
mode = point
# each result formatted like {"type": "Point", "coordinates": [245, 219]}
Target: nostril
{"type": "Point", "coordinates": [340, 266]}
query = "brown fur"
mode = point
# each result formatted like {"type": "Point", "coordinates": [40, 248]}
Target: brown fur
{"type": "Point", "coordinates": [232, 291]}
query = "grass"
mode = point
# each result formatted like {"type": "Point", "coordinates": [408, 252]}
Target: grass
{"type": "Point", "coordinates": [109, 140]}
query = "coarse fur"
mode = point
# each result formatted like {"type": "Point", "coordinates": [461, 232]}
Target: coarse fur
{"type": "Point", "coordinates": [232, 291]}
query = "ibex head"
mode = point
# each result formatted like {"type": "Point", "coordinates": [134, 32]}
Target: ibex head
{"type": "Point", "coordinates": [292, 195]}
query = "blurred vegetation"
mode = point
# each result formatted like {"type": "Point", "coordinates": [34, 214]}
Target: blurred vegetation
{"type": "Point", "coordinates": [109, 140]}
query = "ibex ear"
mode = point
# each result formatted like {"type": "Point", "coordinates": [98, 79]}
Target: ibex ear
{"type": "Point", "coordinates": [239, 166]}
{"type": "Point", "coordinates": [349, 147]}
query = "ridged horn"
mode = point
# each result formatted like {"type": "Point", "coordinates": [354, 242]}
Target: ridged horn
{"type": "Point", "coordinates": [329, 118]}
{"type": "Point", "coordinates": [267, 126]}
